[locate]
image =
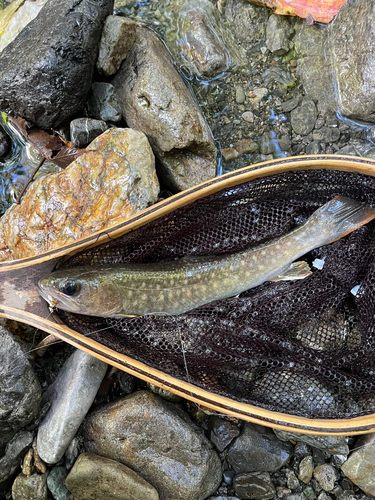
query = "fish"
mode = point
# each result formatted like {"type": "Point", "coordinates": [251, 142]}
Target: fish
{"type": "Point", "coordinates": [178, 286]}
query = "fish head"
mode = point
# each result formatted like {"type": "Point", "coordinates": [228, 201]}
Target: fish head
{"type": "Point", "coordinates": [81, 292]}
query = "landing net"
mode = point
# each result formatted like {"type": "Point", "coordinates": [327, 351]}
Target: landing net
{"type": "Point", "coordinates": [305, 348]}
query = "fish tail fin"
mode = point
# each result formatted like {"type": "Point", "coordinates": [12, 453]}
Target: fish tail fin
{"type": "Point", "coordinates": [340, 216]}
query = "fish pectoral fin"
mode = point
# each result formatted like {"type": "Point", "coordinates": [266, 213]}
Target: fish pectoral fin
{"type": "Point", "coordinates": [296, 271]}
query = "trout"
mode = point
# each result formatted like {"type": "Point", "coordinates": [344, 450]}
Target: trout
{"type": "Point", "coordinates": [175, 287]}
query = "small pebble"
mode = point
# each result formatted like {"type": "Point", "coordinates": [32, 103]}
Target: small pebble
{"type": "Point", "coordinates": [240, 95]}
{"type": "Point", "coordinates": [248, 116]}
{"type": "Point", "coordinates": [306, 469]}
{"type": "Point", "coordinates": [326, 476]}
{"type": "Point", "coordinates": [56, 483]}
{"type": "Point", "coordinates": [229, 154]}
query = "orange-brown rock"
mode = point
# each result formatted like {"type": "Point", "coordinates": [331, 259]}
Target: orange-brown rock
{"type": "Point", "coordinates": [115, 179]}
{"type": "Point", "coordinates": [317, 10]}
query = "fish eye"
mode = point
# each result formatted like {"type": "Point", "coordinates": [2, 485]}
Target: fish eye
{"type": "Point", "coordinates": [70, 287]}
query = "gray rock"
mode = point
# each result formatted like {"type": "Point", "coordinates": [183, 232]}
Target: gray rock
{"type": "Point", "coordinates": [248, 116]}
{"type": "Point", "coordinates": [291, 104]}
{"type": "Point", "coordinates": [309, 493]}
{"type": "Point", "coordinates": [254, 485]}
{"type": "Point", "coordinates": [284, 143]}
{"type": "Point", "coordinates": [247, 21]}
{"type": "Point", "coordinates": [71, 396]}
{"type": "Point", "coordinates": [163, 393]}
{"type": "Point", "coordinates": [314, 68]}
{"type": "Point", "coordinates": [199, 40]}
{"type": "Point", "coordinates": [303, 117]}
{"type": "Point", "coordinates": [14, 452]}
{"type": "Point", "coordinates": [117, 39]}
{"type": "Point", "coordinates": [4, 144]}
{"type": "Point", "coordinates": [85, 130]}
{"type": "Point", "coordinates": [268, 143]}
{"type": "Point", "coordinates": [221, 432]}
{"type": "Point", "coordinates": [30, 488]}
{"type": "Point", "coordinates": [258, 450]}
{"type": "Point", "coordinates": [352, 40]}
{"type": "Point", "coordinates": [246, 146]}
{"type": "Point", "coordinates": [240, 95]}
{"type": "Point", "coordinates": [326, 476]}
{"type": "Point", "coordinates": [292, 481]}
{"type": "Point", "coordinates": [324, 496]}
{"type": "Point", "coordinates": [332, 445]}
{"type": "Point", "coordinates": [56, 483]}
{"type": "Point", "coordinates": [306, 469]}
{"type": "Point", "coordinates": [357, 147]}
{"type": "Point", "coordinates": [71, 453]}
{"type": "Point", "coordinates": [155, 100]}
{"type": "Point", "coordinates": [326, 134]}
{"type": "Point", "coordinates": [359, 468]}
{"type": "Point", "coordinates": [95, 477]}
{"type": "Point", "coordinates": [103, 103]}
{"type": "Point", "coordinates": [46, 71]}
{"type": "Point", "coordinates": [158, 440]}
{"type": "Point", "coordinates": [20, 391]}
{"type": "Point", "coordinates": [278, 32]}
{"type": "Point", "coordinates": [313, 148]}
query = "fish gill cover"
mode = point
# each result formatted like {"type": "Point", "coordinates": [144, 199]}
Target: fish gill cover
{"type": "Point", "coordinates": [305, 347]}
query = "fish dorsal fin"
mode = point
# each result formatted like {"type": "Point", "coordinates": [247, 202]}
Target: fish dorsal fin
{"type": "Point", "coordinates": [296, 271]}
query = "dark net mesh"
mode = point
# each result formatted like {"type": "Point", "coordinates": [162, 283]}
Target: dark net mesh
{"type": "Point", "coordinates": [305, 347]}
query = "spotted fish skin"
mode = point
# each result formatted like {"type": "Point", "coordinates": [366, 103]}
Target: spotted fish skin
{"type": "Point", "coordinates": [175, 287]}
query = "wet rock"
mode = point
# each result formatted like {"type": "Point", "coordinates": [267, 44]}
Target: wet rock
{"type": "Point", "coordinates": [228, 476]}
{"type": "Point", "coordinates": [230, 154]}
{"type": "Point", "coordinates": [291, 104]}
{"type": "Point", "coordinates": [248, 116]}
{"type": "Point", "coordinates": [309, 493]}
{"type": "Point", "coordinates": [103, 103]}
{"type": "Point", "coordinates": [359, 468]}
{"type": "Point", "coordinates": [326, 476]}
{"type": "Point", "coordinates": [278, 32]}
{"type": "Point", "coordinates": [258, 450]}
{"type": "Point", "coordinates": [240, 95]}
{"type": "Point", "coordinates": [71, 453]}
{"type": "Point", "coordinates": [4, 144]}
{"type": "Point", "coordinates": [326, 134]}
{"type": "Point", "coordinates": [284, 143]}
{"type": "Point", "coordinates": [117, 39]}
{"type": "Point", "coordinates": [85, 130]}
{"type": "Point", "coordinates": [268, 143]}
{"type": "Point", "coordinates": [246, 146]}
{"type": "Point", "coordinates": [246, 20]}
{"type": "Point", "coordinates": [292, 481]}
{"type": "Point", "coordinates": [306, 469]}
{"type": "Point", "coordinates": [56, 483]}
{"type": "Point", "coordinates": [51, 215]}
{"type": "Point", "coordinates": [330, 444]}
{"type": "Point", "coordinates": [71, 396]}
{"type": "Point", "coordinates": [30, 488]}
{"type": "Point", "coordinates": [163, 393]}
{"type": "Point", "coordinates": [20, 391]}
{"type": "Point", "coordinates": [221, 432]}
{"type": "Point", "coordinates": [61, 44]}
{"type": "Point", "coordinates": [14, 452]}
{"type": "Point", "coordinates": [26, 13]}
{"type": "Point", "coordinates": [155, 100]}
{"type": "Point", "coordinates": [256, 485]}
{"type": "Point", "coordinates": [303, 117]}
{"type": "Point", "coordinates": [157, 440]}
{"type": "Point", "coordinates": [357, 147]}
{"type": "Point", "coordinates": [313, 148]}
{"type": "Point", "coordinates": [97, 477]}
{"type": "Point", "coordinates": [352, 38]}
{"type": "Point", "coordinates": [199, 39]}
{"type": "Point", "coordinates": [314, 68]}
